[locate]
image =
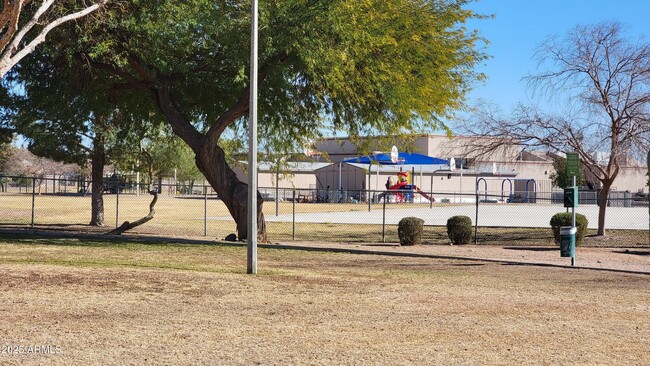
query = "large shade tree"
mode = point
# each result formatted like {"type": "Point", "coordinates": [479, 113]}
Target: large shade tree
{"type": "Point", "coordinates": [605, 77]}
{"type": "Point", "coordinates": [378, 66]}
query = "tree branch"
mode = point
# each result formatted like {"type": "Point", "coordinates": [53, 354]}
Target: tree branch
{"type": "Point", "coordinates": [10, 57]}
{"type": "Point", "coordinates": [130, 225]}
{"type": "Point", "coordinates": [240, 108]}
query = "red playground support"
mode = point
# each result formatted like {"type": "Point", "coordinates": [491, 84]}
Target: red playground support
{"type": "Point", "coordinates": [403, 184]}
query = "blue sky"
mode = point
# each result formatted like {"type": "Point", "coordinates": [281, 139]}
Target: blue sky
{"type": "Point", "coordinates": [520, 26]}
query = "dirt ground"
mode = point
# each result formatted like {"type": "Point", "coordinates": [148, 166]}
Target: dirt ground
{"type": "Point", "coordinates": [97, 303]}
{"type": "Point", "coordinates": [634, 259]}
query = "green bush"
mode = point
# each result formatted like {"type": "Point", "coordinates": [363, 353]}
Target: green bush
{"type": "Point", "coordinates": [564, 219]}
{"type": "Point", "coordinates": [409, 230]}
{"type": "Point", "coordinates": [459, 229]}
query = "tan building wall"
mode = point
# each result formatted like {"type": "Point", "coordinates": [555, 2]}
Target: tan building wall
{"type": "Point", "coordinates": [537, 167]}
{"type": "Point", "coordinates": [343, 176]}
{"type": "Point", "coordinates": [633, 179]}
{"type": "Point", "coordinates": [267, 179]}
{"type": "Point", "coordinates": [439, 146]}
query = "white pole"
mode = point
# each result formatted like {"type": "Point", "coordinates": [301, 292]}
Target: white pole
{"type": "Point", "coordinates": [377, 183]}
{"type": "Point", "coordinates": [252, 150]}
{"type": "Point", "coordinates": [340, 194]}
{"type": "Point", "coordinates": [573, 219]}
{"type": "Point", "coordinates": [461, 182]}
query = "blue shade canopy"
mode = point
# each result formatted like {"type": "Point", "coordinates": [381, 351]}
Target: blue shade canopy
{"type": "Point", "coordinates": [404, 158]}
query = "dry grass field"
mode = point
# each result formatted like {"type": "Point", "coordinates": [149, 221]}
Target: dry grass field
{"type": "Point", "coordinates": [174, 215]}
{"type": "Point", "coordinates": [184, 217]}
{"type": "Point", "coordinates": [126, 303]}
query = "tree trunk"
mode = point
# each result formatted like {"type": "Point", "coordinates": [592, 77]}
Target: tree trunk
{"type": "Point", "coordinates": [159, 184]}
{"type": "Point", "coordinates": [98, 160]}
{"type": "Point", "coordinates": [603, 196]}
{"type": "Point", "coordinates": [234, 193]}
{"type": "Point", "coordinates": [211, 160]}
{"type": "Point", "coordinates": [130, 225]}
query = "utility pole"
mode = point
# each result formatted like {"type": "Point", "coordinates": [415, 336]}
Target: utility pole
{"type": "Point", "coordinates": [252, 150]}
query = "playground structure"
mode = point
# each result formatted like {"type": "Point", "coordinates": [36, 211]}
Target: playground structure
{"type": "Point", "coordinates": [405, 190]}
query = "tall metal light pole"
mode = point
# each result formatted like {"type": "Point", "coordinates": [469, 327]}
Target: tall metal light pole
{"type": "Point", "coordinates": [252, 150]}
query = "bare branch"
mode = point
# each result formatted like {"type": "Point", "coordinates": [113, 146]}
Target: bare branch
{"type": "Point", "coordinates": [609, 77]}
{"type": "Point", "coordinates": [11, 54]}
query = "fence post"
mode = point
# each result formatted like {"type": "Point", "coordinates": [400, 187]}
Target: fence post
{"type": "Point", "coordinates": [476, 219]}
{"type": "Point", "coordinates": [33, 198]}
{"type": "Point", "coordinates": [293, 221]}
{"type": "Point", "coordinates": [205, 210]}
{"type": "Point", "coordinates": [117, 202]}
{"type": "Point", "coordinates": [277, 189]}
{"type": "Point", "coordinates": [368, 197]}
{"type": "Point", "coordinates": [368, 190]}
{"type": "Point", "coordinates": [383, 225]}
{"type": "Point", "coordinates": [431, 192]}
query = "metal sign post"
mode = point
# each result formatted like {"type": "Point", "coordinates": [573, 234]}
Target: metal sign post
{"type": "Point", "coordinates": [573, 220]}
{"type": "Point", "coordinates": [571, 194]}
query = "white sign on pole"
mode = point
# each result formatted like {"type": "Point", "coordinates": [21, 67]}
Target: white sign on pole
{"type": "Point", "coordinates": [394, 154]}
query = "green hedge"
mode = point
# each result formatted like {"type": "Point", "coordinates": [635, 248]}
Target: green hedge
{"type": "Point", "coordinates": [564, 219]}
{"type": "Point", "coordinates": [410, 230]}
{"type": "Point", "coordinates": [459, 229]}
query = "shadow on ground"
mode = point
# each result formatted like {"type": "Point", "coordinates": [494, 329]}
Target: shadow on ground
{"type": "Point", "coordinates": [533, 249]}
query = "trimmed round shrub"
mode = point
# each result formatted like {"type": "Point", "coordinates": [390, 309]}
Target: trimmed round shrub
{"type": "Point", "coordinates": [459, 229]}
{"type": "Point", "coordinates": [564, 219]}
{"type": "Point", "coordinates": [410, 230]}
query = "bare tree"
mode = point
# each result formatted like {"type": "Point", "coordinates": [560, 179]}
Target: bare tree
{"type": "Point", "coordinates": [605, 78]}
{"type": "Point", "coordinates": [15, 43]}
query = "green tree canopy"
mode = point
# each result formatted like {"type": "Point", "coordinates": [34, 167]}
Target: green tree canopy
{"type": "Point", "coordinates": [369, 67]}
{"type": "Point", "coordinates": [172, 157]}
{"type": "Point", "coordinates": [67, 113]}
{"type": "Point", "coordinates": [560, 178]}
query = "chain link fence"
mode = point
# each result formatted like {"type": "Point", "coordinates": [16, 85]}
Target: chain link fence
{"type": "Point", "coordinates": [311, 214]}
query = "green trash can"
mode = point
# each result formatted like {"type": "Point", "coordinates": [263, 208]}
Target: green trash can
{"type": "Point", "coordinates": [568, 241]}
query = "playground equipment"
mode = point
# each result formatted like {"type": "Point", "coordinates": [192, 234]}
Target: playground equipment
{"type": "Point", "coordinates": [405, 190]}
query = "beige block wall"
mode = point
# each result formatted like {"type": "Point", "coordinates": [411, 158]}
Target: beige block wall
{"type": "Point", "coordinates": [444, 147]}
{"type": "Point", "coordinates": [633, 179]}
{"type": "Point", "coordinates": [268, 179]}
{"type": "Point", "coordinates": [351, 177]}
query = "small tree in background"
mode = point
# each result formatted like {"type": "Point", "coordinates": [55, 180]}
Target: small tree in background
{"type": "Point", "coordinates": [559, 177]}
{"type": "Point", "coordinates": [5, 154]}
{"type": "Point", "coordinates": [605, 80]}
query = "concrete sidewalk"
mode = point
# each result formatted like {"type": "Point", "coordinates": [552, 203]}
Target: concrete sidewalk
{"type": "Point", "coordinates": [632, 260]}
{"type": "Point", "coordinates": [499, 215]}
